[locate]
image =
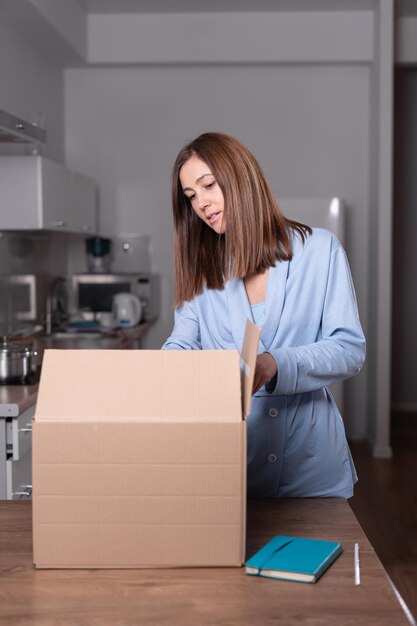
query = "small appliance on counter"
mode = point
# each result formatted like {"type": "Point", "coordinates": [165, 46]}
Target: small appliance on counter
{"type": "Point", "coordinates": [127, 310]}
{"type": "Point", "coordinates": [91, 295]}
{"type": "Point", "coordinates": [98, 255]}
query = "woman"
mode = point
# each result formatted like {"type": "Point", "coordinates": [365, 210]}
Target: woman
{"type": "Point", "coordinates": [237, 257]}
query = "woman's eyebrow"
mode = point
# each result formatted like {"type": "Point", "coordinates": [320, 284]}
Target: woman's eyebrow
{"type": "Point", "coordinates": [197, 181]}
{"type": "Point", "coordinates": [208, 174]}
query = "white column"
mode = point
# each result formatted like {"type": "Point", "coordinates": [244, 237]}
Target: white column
{"type": "Point", "coordinates": [384, 58]}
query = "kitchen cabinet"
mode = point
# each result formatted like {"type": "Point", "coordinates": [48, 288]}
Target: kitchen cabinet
{"type": "Point", "coordinates": [16, 456]}
{"type": "Point", "coordinates": [37, 193]}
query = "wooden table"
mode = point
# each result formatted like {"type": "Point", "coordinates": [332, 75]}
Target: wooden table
{"type": "Point", "coordinates": [200, 597]}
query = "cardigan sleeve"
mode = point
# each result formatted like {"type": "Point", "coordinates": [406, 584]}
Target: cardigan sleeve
{"type": "Point", "coordinates": [186, 332]}
{"type": "Point", "coordinates": [338, 353]}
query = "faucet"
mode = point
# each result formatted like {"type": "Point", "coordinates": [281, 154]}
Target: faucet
{"type": "Point", "coordinates": [50, 311]}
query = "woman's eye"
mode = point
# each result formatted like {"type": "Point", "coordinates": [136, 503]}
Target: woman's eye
{"type": "Point", "coordinates": [191, 198]}
{"type": "Point", "coordinates": [210, 185]}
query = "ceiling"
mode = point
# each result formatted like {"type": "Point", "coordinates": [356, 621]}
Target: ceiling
{"type": "Point", "coordinates": [404, 7]}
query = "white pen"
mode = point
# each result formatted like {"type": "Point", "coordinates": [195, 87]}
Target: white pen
{"type": "Point", "coordinates": [357, 567]}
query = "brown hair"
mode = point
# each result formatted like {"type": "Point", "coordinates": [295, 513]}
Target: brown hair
{"type": "Point", "coordinates": [257, 234]}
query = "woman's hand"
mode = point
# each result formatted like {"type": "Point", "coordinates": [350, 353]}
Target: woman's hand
{"type": "Point", "coordinates": [265, 369]}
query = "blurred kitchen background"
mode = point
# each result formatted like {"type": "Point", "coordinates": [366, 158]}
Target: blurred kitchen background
{"type": "Point", "coordinates": [309, 85]}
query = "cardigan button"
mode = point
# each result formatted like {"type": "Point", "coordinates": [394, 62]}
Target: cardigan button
{"type": "Point", "coordinates": [273, 412]}
{"type": "Point", "coordinates": [271, 457]}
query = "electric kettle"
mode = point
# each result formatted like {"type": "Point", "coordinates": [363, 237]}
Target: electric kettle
{"type": "Point", "coordinates": [127, 310]}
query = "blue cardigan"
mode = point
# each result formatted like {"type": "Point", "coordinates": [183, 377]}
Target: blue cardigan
{"type": "Point", "coordinates": [296, 440]}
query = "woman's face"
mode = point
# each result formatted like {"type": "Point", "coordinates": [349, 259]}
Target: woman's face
{"type": "Point", "coordinates": [204, 193]}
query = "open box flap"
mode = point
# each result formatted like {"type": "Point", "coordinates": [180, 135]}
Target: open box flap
{"type": "Point", "coordinates": [248, 363]}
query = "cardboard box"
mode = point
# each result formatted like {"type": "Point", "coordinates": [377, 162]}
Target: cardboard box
{"type": "Point", "coordinates": [139, 457]}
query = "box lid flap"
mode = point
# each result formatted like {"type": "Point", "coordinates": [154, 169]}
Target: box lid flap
{"type": "Point", "coordinates": [140, 385]}
{"type": "Point", "coordinates": [248, 363]}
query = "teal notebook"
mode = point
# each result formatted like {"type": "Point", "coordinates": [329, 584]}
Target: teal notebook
{"type": "Point", "coordinates": [293, 558]}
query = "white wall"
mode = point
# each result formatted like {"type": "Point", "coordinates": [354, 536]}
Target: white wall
{"type": "Point", "coordinates": [30, 82]}
{"type": "Point", "coordinates": [257, 37]}
{"type": "Point", "coordinates": [308, 126]}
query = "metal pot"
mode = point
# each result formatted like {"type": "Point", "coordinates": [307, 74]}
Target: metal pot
{"type": "Point", "coordinates": [15, 362]}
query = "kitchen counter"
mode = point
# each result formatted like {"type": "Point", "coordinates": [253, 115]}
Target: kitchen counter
{"type": "Point", "coordinates": [203, 596]}
{"type": "Point", "coordinates": [17, 403]}
{"type": "Point", "coordinates": [125, 338]}
{"type": "Point", "coordinates": [14, 399]}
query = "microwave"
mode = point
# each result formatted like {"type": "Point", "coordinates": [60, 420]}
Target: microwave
{"type": "Point", "coordinates": [91, 294]}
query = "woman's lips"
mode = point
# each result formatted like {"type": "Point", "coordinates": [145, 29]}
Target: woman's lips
{"type": "Point", "coordinates": [213, 217]}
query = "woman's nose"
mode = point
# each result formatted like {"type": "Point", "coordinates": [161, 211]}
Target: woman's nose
{"type": "Point", "coordinates": [203, 201]}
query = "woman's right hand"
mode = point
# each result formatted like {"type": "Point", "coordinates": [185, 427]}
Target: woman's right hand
{"type": "Point", "coordinates": [265, 369]}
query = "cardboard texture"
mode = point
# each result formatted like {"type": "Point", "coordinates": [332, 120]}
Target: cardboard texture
{"type": "Point", "coordinates": [139, 458]}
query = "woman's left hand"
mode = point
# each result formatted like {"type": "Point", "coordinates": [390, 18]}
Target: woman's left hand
{"type": "Point", "coordinates": [265, 369]}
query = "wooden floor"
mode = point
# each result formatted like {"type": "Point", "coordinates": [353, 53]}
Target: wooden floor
{"type": "Point", "coordinates": [385, 503]}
